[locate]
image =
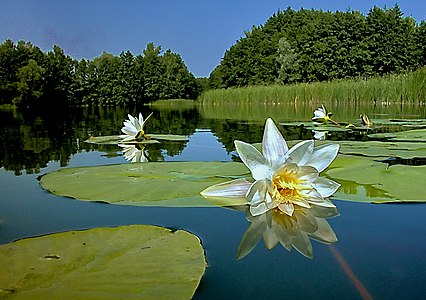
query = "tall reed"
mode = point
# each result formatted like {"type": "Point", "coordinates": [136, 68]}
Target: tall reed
{"type": "Point", "coordinates": [403, 88]}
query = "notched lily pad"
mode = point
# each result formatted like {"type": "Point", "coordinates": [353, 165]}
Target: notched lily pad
{"type": "Point", "coordinates": [127, 262]}
{"type": "Point", "coordinates": [176, 184]}
{"type": "Point", "coordinates": [372, 181]}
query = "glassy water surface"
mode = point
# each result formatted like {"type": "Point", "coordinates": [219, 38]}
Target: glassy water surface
{"type": "Point", "coordinates": [380, 251]}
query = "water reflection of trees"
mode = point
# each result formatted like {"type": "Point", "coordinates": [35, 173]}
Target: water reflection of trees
{"type": "Point", "coordinates": [32, 139]}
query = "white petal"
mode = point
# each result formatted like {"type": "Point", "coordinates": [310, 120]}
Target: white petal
{"type": "Point", "coordinates": [259, 209]}
{"type": "Point", "coordinates": [301, 153]}
{"type": "Point", "coordinates": [274, 146]}
{"type": "Point", "coordinates": [319, 114]}
{"type": "Point", "coordinates": [234, 189]}
{"type": "Point", "coordinates": [307, 174]}
{"type": "Point", "coordinates": [287, 208]}
{"type": "Point", "coordinates": [316, 199]}
{"type": "Point", "coordinates": [254, 160]}
{"type": "Point", "coordinates": [257, 192]}
{"type": "Point", "coordinates": [322, 156]}
{"type": "Point", "coordinates": [325, 187]}
{"type": "Point", "coordinates": [141, 121]}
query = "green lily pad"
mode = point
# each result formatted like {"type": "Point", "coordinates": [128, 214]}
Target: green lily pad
{"type": "Point", "coordinates": [399, 121]}
{"type": "Point", "coordinates": [305, 124]}
{"type": "Point", "coordinates": [417, 135]}
{"type": "Point", "coordinates": [375, 148]}
{"type": "Point", "coordinates": [144, 184]}
{"type": "Point", "coordinates": [365, 180]}
{"type": "Point", "coordinates": [127, 262]}
{"type": "Point", "coordinates": [329, 128]}
{"type": "Point", "coordinates": [154, 138]}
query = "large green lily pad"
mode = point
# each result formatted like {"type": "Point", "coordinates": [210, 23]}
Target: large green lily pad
{"type": "Point", "coordinates": [366, 180]}
{"type": "Point", "coordinates": [417, 135]}
{"type": "Point", "coordinates": [178, 184]}
{"type": "Point", "coordinates": [128, 262]}
{"type": "Point", "coordinates": [144, 184]}
{"type": "Point", "coordinates": [153, 138]}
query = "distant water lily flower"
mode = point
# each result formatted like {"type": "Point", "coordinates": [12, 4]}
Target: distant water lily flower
{"type": "Point", "coordinates": [365, 120]}
{"type": "Point", "coordinates": [134, 152]}
{"type": "Point", "coordinates": [290, 231]}
{"type": "Point", "coordinates": [283, 178]}
{"type": "Point", "coordinates": [322, 117]}
{"type": "Point", "coordinates": [134, 128]}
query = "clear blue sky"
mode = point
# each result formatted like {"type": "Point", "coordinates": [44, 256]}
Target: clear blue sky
{"type": "Point", "coordinates": [199, 30]}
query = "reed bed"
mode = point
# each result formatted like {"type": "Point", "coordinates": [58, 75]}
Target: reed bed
{"type": "Point", "coordinates": [403, 88]}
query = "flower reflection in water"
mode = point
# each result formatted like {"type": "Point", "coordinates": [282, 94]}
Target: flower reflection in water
{"type": "Point", "coordinates": [294, 231]}
{"type": "Point", "coordinates": [134, 152]}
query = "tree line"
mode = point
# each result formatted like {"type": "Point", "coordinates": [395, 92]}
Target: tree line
{"type": "Point", "coordinates": [30, 77]}
{"type": "Point", "coordinates": [314, 45]}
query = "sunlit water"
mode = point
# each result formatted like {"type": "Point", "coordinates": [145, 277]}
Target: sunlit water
{"type": "Point", "coordinates": [380, 251]}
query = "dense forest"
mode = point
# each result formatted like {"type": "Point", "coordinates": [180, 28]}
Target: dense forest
{"type": "Point", "coordinates": [291, 47]}
{"type": "Point", "coordinates": [30, 77]}
{"type": "Point", "coordinates": [314, 45]}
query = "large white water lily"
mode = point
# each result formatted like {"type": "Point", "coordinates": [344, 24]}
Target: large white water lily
{"type": "Point", "coordinates": [134, 128]}
{"type": "Point", "coordinates": [134, 152]}
{"type": "Point", "coordinates": [290, 231]}
{"type": "Point", "coordinates": [282, 178]}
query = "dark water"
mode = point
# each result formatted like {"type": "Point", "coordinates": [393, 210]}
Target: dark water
{"type": "Point", "coordinates": [380, 251]}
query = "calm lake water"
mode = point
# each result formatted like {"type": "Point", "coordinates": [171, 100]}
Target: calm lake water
{"type": "Point", "coordinates": [380, 250]}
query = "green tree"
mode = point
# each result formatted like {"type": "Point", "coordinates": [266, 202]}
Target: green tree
{"type": "Point", "coordinates": [287, 62]}
{"type": "Point", "coordinates": [30, 84]}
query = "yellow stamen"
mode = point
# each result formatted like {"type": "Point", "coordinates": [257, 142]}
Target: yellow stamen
{"type": "Point", "coordinates": [287, 187]}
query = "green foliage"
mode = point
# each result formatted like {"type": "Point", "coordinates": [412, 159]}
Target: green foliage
{"type": "Point", "coordinates": [313, 45]}
{"type": "Point", "coordinates": [29, 77]}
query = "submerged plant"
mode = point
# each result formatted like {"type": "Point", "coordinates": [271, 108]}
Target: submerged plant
{"type": "Point", "coordinates": [294, 231]}
{"type": "Point", "coordinates": [321, 116]}
{"type": "Point", "coordinates": [134, 128]}
{"type": "Point", "coordinates": [282, 178]}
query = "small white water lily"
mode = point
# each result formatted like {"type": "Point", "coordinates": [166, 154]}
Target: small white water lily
{"type": "Point", "coordinates": [321, 116]}
{"type": "Point", "coordinates": [134, 152]}
{"type": "Point", "coordinates": [134, 128]}
{"type": "Point", "coordinates": [283, 178]}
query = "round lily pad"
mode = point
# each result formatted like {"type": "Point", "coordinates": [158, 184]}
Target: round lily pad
{"type": "Point", "coordinates": [127, 262]}
{"type": "Point", "coordinates": [170, 184]}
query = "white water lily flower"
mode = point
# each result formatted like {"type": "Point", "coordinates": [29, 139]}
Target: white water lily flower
{"type": "Point", "coordinates": [134, 128]}
{"type": "Point", "coordinates": [321, 116]}
{"type": "Point", "coordinates": [283, 178]}
{"type": "Point", "coordinates": [134, 152]}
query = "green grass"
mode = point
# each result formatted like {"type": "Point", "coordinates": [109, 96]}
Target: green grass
{"type": "Point", "coordinates": [403, 88]}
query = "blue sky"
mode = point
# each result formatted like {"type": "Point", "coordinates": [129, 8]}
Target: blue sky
{"type": "Point", "coordinates": [200, 31]}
